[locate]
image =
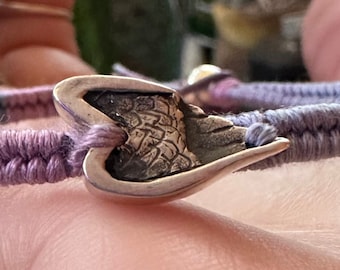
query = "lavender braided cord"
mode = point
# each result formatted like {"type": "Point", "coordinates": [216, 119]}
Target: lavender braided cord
{"type": "Point", "coordinates": [36, 157]}
{"type": "Point", "coordinates": [274, 95]}
{"type": "Point", "coordinates": [312, 125]}
{"type": "Point", "coordinates": [224, 88]}
{"type": "Point", "coordinates": [314, 131]}
{"type": "Point", "coordinates": [21, 104]}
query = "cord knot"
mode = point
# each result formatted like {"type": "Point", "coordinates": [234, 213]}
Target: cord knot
{"type": "Point", "coordinates": [260, 134]}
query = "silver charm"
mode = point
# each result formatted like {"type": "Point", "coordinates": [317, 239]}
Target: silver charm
{"type": "Point", "coordinates": [172, 149]}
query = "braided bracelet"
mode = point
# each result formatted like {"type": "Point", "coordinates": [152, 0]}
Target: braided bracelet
{"type": "Point", "coordinates": [308, 114]}
{"type": "Point", "coordinates": [138, 141]}
{"type": "Point", "coordinates": [134, 140]}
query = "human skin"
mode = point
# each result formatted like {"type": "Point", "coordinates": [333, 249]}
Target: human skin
{"type": "Point", "coordinates": [281, 218]}
{"type": "Point", "coordinates": [36, 50]}
{"type": "Point", "coordinates": [321, 40]}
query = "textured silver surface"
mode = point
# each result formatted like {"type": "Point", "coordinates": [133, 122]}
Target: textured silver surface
{"type": "Point", "coordinates": [165, 135]}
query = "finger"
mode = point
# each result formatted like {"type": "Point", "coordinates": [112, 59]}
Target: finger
{"type": "Point", "coordinates": [290, 196]}
{"type": "Point", "coordinates": [38, 65]}
{"type": "Point", "coordinates": [300, 201]}
{"type": "Point", "coordinates": [61, 227]}
{"type": "Point", "coordinates": [38, 49]}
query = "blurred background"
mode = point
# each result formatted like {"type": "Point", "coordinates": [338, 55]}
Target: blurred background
{"type": "Point", "coordinates": [259, 40]}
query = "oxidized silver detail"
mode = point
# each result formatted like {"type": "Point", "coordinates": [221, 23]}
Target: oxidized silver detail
{"type": "Point", "coordinates": [156, 144]}
{"type": "Point", "coordinates": [69, 101]}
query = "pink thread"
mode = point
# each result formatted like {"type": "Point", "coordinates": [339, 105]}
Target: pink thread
{"type": "Point", "coordinates": [218, 89]}
{"type": "Point", "coordinates": [36, 157]}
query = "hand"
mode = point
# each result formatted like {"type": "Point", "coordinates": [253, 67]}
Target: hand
{"type": "Point", "coordinates": [271, 216]}
{"type": "Point", "coordinates": [282, 218]}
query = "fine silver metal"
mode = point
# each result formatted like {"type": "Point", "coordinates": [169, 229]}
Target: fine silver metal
{"type": "Point", "coordinates": [71, 105]}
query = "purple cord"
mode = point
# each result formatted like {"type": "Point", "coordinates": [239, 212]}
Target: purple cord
{"type": "Point", "coordinates": [272, 95]}
{"type": "Point", "coordinates": [225, 90]}
{"type": "Point", "coordinates": [314, 132]}
{"type": "Point", "coordinates": [313, 126]}
{"type": "Point", "coordinates": [36, 157]}
{"type": "Point", "coordinates": [47, 156]}
{"type": "Point", "coordinates": [26, 103]}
